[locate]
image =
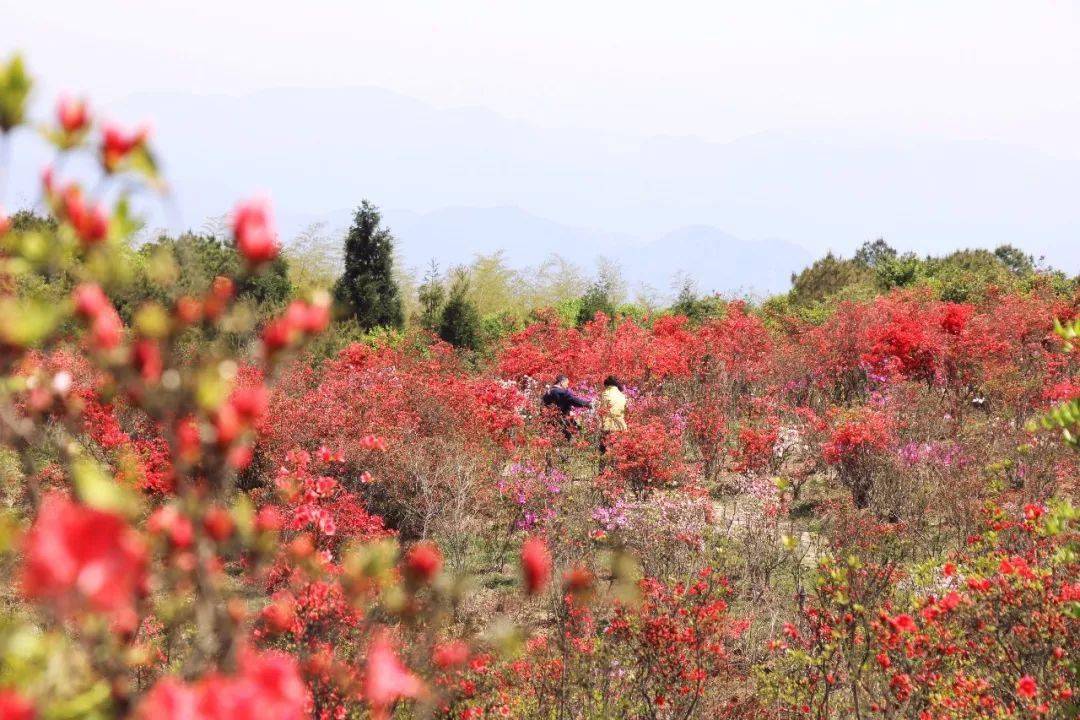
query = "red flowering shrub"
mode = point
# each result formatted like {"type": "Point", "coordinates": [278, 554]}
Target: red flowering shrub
{"type": "Point", "coordinates": [645, 457]}
{"type": "Point", "coordinates": [857, 440]}
{"type": "Point", "coordinates": [989, 640]}
{"type": "Point", "coordinates": [677, 641]}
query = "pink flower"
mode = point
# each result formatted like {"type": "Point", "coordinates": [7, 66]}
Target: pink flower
{"type": "Point", "coordinates": [277, 682]}
{"type": "Point", "coordinates": [106, 330]}
{"type": "Point", "coordinates": [77, 553]}
{"type": "Point", "coordinates": [254, 231]}
{"type": "Point", "coordinates": [169, 699]}
{"type": "Point", "coordinates": [386, 679]}
{"type": "Point", "coordinates": [90, 300]}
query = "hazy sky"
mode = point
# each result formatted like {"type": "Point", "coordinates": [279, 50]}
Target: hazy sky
{"type": "Point", "coordinates": [980, 69]}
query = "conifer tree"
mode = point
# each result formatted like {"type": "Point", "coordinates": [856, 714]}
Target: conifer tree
{"type": "Point", "coordinates": [367, 290]}
{"type": "Point", "coordinates": [460, 324]}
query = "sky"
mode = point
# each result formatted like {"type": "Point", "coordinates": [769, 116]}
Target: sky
{"type": "Point", "coordinates": [715, 69]}
{"type": "Point", "coordinates": [826, 123]}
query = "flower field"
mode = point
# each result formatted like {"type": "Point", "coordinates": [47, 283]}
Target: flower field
{"type": "Point", "coordinates": [864, 511]}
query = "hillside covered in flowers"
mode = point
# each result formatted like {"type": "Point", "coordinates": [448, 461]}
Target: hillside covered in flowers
{"type": "Point", "coordinates": [226, 496]}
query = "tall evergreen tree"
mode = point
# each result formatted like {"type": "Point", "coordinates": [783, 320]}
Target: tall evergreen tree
{"type": "Point", "coordinates": [460, 324]}
{"type": "Point", "coordinates": [366, 290]}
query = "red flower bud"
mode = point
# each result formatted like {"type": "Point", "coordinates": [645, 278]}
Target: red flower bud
{"type": "Point", "coordinates": [188, 310]}
{"type": "Point", "coordinates": [15, 707]}
{"type": "Point", "coordinates": [278, 334]}
{"type": "Point", "coordinates": [94, 226]}
{"type": "Point", "coordinates": [218, 523]}
{"type": "Point", "coordinates": [147, 358]}
{"type": "Point", "coordinates": [91, 224]}
{"type": "Point", "coordinates": [253, 229]}
{"type": "Point", "coordinates": [187, 439]}
{"type": "Point", "coordinates": [117, 144]}
{"type": "Point", "coordinates": [227, 424]}
{"type": "Point", "coordinates": [316, 319]}
{"type": "Point", "coordinates": [48, 180]}
{"type": "Point", "coordinates": [296, 314]}
{"type": "Point", "coordinates": [423, 562]}
{"type": "Point", "coordinates": [223, 288]}
{"type": "Point", "coordinates": [5, 222]}
{"type": "Point", "coordinates": [90, 300]}
{"type": "Point", "coordinates": [240, 457]}
{"type": "Point", "coordinates": [72, 115]}
{"type": "Point", "coordinates": [107, 330]}
{"type": "Point", "coordinates": [535, 564]}
{"type": "Point", "coordinates": [170, 521]}
{"type": "Point", "coordinates": [577, 580]}
{"type": "Point", "coordinates": [302, 546]}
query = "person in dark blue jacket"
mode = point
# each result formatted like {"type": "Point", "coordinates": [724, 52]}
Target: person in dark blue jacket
{"type": "Point", "coordinates": [559, 396]}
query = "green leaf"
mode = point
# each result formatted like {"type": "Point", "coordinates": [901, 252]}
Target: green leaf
{"type": "Point", "coordinates": [15, 85]}
{"type": "Point", "coordinates": [26, 322]}
{"type": "Point", "coordinates": [100, 491]}
{"type": "Point", "coordinates": [89, 704]}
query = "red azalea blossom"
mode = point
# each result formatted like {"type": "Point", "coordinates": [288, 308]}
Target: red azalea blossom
{"type": "Point", "coordinates": [1033, 511]}
{"type": "Point", "coordinates": [77, 553]}
{"type": "Point", "coordinates": [903, 622]}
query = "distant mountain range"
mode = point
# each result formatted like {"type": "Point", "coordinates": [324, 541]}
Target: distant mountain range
{"type": "Point", "coordinates": [455, 182]}
{"type": "Point", "coordinates": [715, 260]}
